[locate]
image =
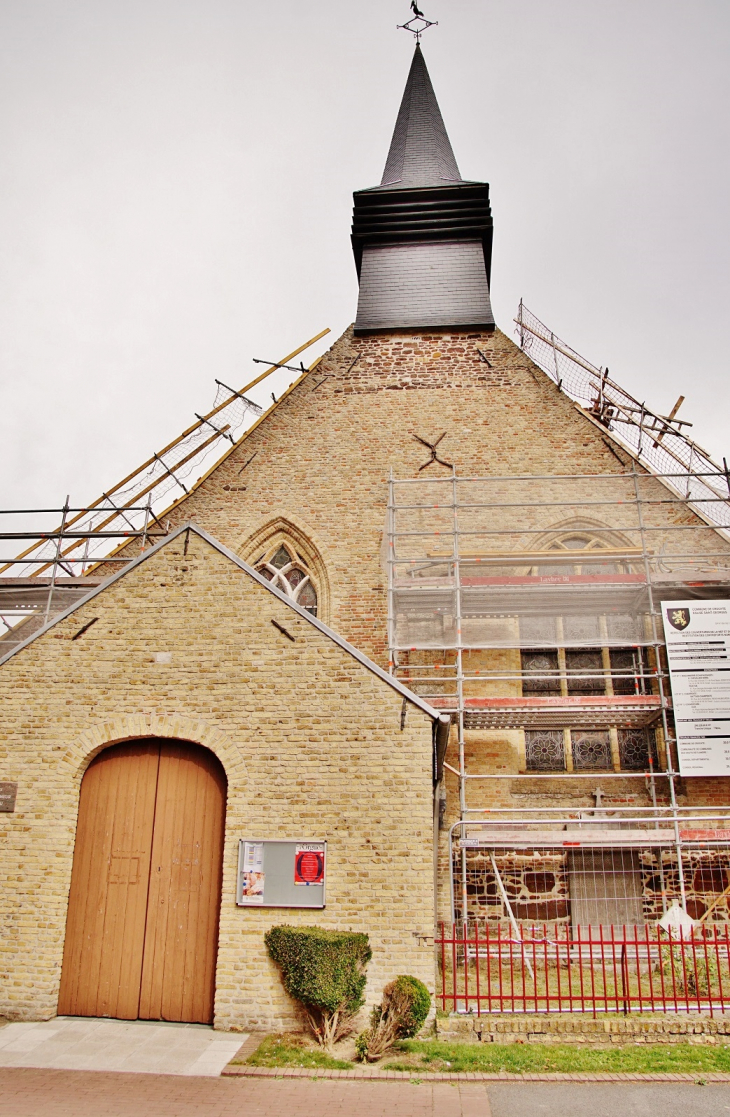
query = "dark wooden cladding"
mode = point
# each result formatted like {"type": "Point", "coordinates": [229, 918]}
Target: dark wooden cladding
{"type": "Point", "coordinates": [142, 926]}
{"type": "Point", "coordinates": [396, 216]}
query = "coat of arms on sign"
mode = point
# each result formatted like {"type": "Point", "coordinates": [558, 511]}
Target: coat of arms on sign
{"type": "Point", "coordinates": [678, 618]}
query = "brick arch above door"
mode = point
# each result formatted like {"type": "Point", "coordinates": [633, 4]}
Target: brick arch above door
{"type": "Point", "coordinates": [127, 728]}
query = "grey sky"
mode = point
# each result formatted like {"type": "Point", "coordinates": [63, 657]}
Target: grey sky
{"type": "Point", "coordinates": [176, 181]}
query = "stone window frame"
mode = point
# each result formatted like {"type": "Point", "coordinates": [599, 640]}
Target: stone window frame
{"type": "Point", "coordinates": [278, 574]}
{"type": "Point", "coordinates": [259, 547]}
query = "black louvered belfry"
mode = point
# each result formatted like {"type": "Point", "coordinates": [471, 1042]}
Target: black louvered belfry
{"type": "Point", "coordinates": [423, 238]}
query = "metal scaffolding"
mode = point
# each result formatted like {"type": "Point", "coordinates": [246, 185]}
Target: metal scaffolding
{"type": "Point", "coordinates": [492, 620]}
{"type": "Point", "coordinates": [661, 443]}
{"type": "Point", "coordinates": [532, 604]}
{"type": "Point", "coordinates": [61, 562]}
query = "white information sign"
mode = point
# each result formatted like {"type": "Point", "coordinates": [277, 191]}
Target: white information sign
{"type": "Point", "coordinates": [698, 635]}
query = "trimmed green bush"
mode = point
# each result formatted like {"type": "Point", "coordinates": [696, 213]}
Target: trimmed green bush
{"type": "Point", "coordinates": [325, 972]}
{"type": "Point", "coordinates": [420, 1005]}
{"type": "Point", "coordinates": [406, 1004]}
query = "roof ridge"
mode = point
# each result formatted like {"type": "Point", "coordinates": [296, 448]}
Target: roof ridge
{"type": "Point", "coordinates": [364, 660]}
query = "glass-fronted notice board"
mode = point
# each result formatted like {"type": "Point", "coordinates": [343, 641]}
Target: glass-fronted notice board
{"type": "Point", "coordinates": [281, 874]}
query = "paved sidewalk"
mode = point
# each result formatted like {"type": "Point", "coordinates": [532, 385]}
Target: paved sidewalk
{"type": "Point", "coordinates": [29, 1093]}
{"type": "Point", "coordinates": [138, 1046]}
{"type": "Point", "coordinates": [609, 1100]}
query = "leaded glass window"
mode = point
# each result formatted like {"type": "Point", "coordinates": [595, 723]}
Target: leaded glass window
{"type": "Point", "coordinates": [286, 570]}
{"type": "Point", "coordinates": [635, 746]}
{"type": "Point", "coordinates": [627, 667]}
{"type": "Point", "coordinates": [544, 750]}
{"type": "Point", "coordinates": [591, 749]}
{"type": "Point", "coordinates": [585, 671]}
{"type": "Point", "coordinates": [540, 673]}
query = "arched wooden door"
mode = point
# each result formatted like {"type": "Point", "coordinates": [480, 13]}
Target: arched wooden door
{"type": "Point", "coordinates": [142, 928]}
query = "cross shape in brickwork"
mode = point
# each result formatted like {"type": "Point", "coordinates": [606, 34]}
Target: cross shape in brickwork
{"type": "Point", "coordinates": [434, 454]}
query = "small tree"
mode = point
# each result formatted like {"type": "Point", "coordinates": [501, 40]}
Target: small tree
{"type": "Point", "coordinates": [405, 1006]}
{"type": "Point", "coordinates": [325, 972]}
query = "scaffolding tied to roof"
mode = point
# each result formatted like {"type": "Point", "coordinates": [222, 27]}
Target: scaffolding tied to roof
{"type": "Point", "coordinates": [659, 442]}
{"type": "Point", "coordinates": [136, 506]}
{"type": "Point", "coordinates": [58, 564]}
{"type": "Point", "coordinates": [529, 606]}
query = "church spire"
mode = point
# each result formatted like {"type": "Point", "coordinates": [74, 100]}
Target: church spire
{"type": "Point", "coordinates": [423, 238]}
{"type": "Point", "coordinates": [420, 152]}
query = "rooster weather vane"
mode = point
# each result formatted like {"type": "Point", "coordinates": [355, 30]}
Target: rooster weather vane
{"type": "Point", "coordinates": [418, 23]}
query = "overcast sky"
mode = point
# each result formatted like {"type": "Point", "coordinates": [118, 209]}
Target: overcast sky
{"type": "Point", "coordinates": [176, 187]}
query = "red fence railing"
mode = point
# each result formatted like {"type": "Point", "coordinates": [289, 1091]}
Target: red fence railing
{"type": "Point", "coordinates": [489, 968]}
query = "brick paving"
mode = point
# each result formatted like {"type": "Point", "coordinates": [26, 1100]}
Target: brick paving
{"type": "Point", "coordinates": [28, 1092]}
{"type": "Point", "coordinates": [375, 1074]}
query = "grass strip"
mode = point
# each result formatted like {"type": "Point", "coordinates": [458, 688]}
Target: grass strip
{"type": "Point", "coordinates": [422, 1056]}
{"type": "Point", "coordinates": [292, 1051]}
{"type": "Point", "coordinates": [517, 1058]}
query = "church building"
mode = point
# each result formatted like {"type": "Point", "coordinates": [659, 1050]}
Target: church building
{"type": "Point", "coordinates": [396, 664]}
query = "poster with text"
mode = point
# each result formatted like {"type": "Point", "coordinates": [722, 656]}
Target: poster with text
{"type": "Point", "coordinates": [309, 864]}
{"type": "Point", "coordinates": [697, 635]}
{"type": "Point", "coordinates": [253, 877]}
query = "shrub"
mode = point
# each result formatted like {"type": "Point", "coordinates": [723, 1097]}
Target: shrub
{"type": "Point", "coordinates": [325, 972]}
{"type": "Point", "coordinates": [692, 967]}
{"type": "Point", "coordinates": [405, 1006]}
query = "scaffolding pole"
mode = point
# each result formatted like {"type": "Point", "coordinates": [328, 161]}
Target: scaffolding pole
{"type": "Point", "coordinates": [441, 549]}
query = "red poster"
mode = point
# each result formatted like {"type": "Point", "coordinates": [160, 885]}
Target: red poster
{"type": "Point", "coordinates": [309, 864]}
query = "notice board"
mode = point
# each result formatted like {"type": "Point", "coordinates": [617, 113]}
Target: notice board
{"type": "Point", "coordinates": [274, 873]}
{"type": "Point", "coordinates": [697, 635]}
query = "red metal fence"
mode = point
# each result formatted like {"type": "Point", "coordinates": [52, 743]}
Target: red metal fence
{"type": "Point", "coordinates": [492, 968]}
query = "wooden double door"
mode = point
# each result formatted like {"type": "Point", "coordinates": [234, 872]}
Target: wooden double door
{"type": "Point", "coordinates": [142, 928]}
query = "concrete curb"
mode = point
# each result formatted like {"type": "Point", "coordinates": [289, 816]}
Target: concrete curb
{"type": "Point", "coordinates": [374, 1075]}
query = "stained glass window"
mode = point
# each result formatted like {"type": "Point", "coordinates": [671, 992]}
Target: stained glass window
{"type": "Point", "coordinates": [627, 667]}
{"type": "Point", "coordinates": [281, 558]}
{"type": "Point", "coordinates": [286, 570]}
{"type": "Point", "coordinates": [585, 667]}
{"type": "Point", "coordinates": [635, 746]}
{"type": "Point", "coordinates": [544, 749]}
{"type": "Point", "coordinates": [540, 673]}
{"type": "Point", "coordinates": [591, 749]}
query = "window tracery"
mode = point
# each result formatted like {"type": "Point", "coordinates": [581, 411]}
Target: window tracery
{"type": "Point", "coordinates": [286, 570]}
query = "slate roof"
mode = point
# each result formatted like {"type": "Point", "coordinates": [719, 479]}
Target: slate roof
{"type": "Point", "coordinates": [420, 151]}
{"type": "Point", "coordinates": [422, 239]}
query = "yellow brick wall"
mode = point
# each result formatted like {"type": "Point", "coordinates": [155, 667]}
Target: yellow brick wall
{"type": "Point", "coordinates": [321, 460]}
{"type": "Point", "coordinates": [315, 471]}
{"type": "Point", "coordinates": [309, 738]}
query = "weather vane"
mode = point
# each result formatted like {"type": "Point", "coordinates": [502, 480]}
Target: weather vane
{"type": "Point", "coordinates": [418, 23]}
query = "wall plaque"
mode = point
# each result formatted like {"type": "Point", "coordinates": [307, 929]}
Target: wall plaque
{"type": "Point", "coordinates": [8, 791]}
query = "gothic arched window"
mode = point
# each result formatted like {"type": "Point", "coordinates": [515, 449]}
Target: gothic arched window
{"type": "Point", "coordinates": [285, 569]}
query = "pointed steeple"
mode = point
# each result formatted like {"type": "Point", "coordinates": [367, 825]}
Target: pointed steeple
{"type": "Point", "coordinates": [423, 238]}
{"type": "Point", "coordinates": [420, 152]}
